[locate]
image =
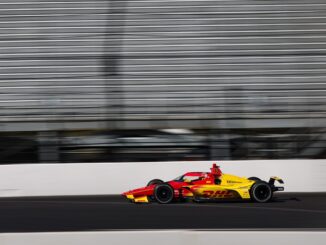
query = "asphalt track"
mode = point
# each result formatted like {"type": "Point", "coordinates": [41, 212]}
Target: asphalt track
{"type": "Point", "coordinates": [287, 211]}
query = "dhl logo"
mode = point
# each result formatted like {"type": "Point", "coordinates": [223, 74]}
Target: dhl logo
{"type": "Point", "coordinates": [217, 194]}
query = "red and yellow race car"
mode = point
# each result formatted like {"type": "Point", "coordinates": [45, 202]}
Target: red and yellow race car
{"type": "Point", "coordinates": [203, 186]}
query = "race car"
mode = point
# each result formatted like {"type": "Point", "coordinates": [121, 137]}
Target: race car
{"type": "Point", "coordinates": [205, 186]}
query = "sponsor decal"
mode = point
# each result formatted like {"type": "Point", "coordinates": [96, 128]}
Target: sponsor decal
{"type": "Point", "coordinates": [217, 194]}
{"type": "Point", "coordinates": [233, 182]}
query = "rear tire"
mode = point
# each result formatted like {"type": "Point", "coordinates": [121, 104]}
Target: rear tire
{"type": "Point", "coordinates": [254, 179]}
{"type": "Point", "coordinates": [163, 193]}
{"type": "Point", "coordinates": [261, 192]}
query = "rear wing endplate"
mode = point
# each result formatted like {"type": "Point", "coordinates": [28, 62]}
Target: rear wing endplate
{"type": "Point", "coordinates": [273, 179]}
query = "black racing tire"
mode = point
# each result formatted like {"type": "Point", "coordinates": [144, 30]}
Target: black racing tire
{"type": "Point", "coordinates": [261, 192]}
{"type": "Point", "coordinates": [254, 179]}
{"type": "Point", "coordinates": [163, 193]}
{"type": "Point", "coordinates": [155, 182]}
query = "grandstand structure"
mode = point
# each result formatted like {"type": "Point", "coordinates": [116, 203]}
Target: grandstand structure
{"type": "Point", "coordinates": [240, 79]}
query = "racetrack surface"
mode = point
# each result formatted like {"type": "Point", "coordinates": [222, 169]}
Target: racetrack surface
{"type": "Point", "coordinates": [81, 213]}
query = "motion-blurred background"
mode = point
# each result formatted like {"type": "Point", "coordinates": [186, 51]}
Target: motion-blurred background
{"type": "Point", "coordinates": [156, 80]}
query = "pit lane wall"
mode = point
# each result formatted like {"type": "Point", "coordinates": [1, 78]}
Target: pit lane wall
{"type": "Point", "coordinates": [115, 178]}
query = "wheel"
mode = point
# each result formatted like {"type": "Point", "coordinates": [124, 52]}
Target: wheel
{"type": "Point", "coordinates": [261, 192]}
{"type": "Point", "coordinates": [254, 179]}
{"type": "Point", "coordinates": [155, 182]}
{"type": "Point", "coordinates": [163, 193]}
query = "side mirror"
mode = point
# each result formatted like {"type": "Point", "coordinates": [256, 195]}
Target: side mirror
{"type": "Point", "coordinates": [187, 180]}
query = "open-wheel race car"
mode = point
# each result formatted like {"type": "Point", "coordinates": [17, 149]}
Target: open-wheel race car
{"type": "Point", "coordinates": [204, 186]}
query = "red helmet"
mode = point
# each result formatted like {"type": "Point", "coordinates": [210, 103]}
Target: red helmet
{"type": "Point", "coordinates": [214, 166]}
{"type": "Point", "coordinates": [216, 170]}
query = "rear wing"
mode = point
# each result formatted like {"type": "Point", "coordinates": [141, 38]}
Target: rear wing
{"type": "Point", "coordinates": [273, 179]}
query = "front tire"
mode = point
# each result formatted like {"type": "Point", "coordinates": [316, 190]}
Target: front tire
{"type": "Point", "coordinates": [155, 182]}
{"type": "Point", "coordinates": [163, 193]}
{"type": "Point", "coordinates": [261, 192]}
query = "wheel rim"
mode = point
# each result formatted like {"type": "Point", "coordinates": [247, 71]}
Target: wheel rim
{"type": "Point", "coordinates": [262, 192]}
{"type": "Point", "coordinates": [163, 194]}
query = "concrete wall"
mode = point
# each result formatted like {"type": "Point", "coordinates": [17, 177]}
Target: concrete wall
{"type": "Point", "coordinates": [166, 237]}
{"type": "Point", "coordinates": [115, 178]}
